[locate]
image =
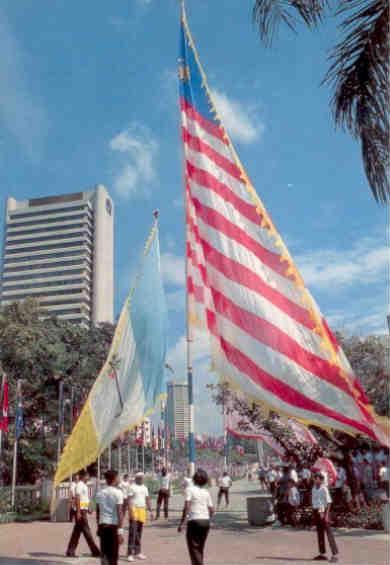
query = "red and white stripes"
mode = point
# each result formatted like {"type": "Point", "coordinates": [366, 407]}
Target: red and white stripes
{"type": "Point", "coordinates": [262, 333]}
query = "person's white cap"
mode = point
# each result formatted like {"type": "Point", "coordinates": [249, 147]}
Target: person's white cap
{"type": "Point", "coordinates": [139, 474]}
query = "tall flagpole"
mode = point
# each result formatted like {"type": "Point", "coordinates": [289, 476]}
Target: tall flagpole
{"type": "Point", "coordinates": [16, 441]}
{"type": "Point", "coordinates": [191, 422]}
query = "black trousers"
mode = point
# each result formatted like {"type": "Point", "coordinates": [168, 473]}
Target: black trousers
{"type": "Point", "coordinates": [223, 492]}
{"type": "Point", "coordinates": [162, 500]}
{"type": "Point", "coordinates": [135, 537]}
{"type": "Point", "coordinates": [109, 544]}
{"type": "Point", "coordinates": [324, 527]}
{"type": "Point", "coordinates": [82, 527]}
{"type": "Point", "coordinates": [197, 532]}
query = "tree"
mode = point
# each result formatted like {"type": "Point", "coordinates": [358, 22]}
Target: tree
{"type": "Point", "coordinates": [358, 72]}
{"type": "Point", "coordinates": [42, 353]}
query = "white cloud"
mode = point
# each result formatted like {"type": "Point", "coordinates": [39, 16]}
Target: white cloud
{"type": "Point", "coordinates": [332, 269]}
{"type": "Point", "coordinates": [137, 150]}
{"type": "Point", "coordinates": [22, 114]}
{"type": "Point", "coordinates": [173, 269]}
{"type": "Point", "coordinates": [241, 122]}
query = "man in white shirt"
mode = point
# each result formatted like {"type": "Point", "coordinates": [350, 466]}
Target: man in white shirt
{"type": "Point", "coordinates": [224, 483]}
{"type": "Point", "coordinates": [72, 498]}
{"type": "Point", "coordinates": [81, 523]}
{"type": "Point", "coordinates": [272, 478]}
{"type": "Point", "coordinates": [124, 486]}
{"type": "Point", "coordinates": [109, 516]}
{"type": "Point", "coordinates": [163, 493]}
{"type": "Point", "coordinates": [321, 502]}
{"type": "Point", "coordinates": [293, 475]}
{"type": "Point", "coordinates": [139, 502]}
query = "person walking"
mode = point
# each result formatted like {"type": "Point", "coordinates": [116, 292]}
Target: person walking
{"type": "Point", "coordinates": [139, 501]}
{"type": "Point", "coordinates": [321, 502]}
{"type": "Point", "coordinates": [109, 516]}
{"type": "Point", "coordinates": [199, 509]}
{"type": "Point", "coordinates": [72, 498]}
{"type": "Point", "coordinates": [224, 483]}
{"type": "Point", "coordinates": [81, 520]}
{"type": "Point", "coordinates": [124, 486]}
{"type": "Point", "coordinates": [164, 493]}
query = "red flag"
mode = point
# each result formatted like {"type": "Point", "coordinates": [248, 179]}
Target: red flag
{"type": "Point", "coordinates": [4, 405]}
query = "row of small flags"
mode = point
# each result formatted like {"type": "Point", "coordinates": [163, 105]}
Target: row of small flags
{"type": "Point", "coordinates": [4, 408]}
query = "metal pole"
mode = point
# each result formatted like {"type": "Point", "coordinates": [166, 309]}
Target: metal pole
{"type": "Point", "coordinates": [120, 456]}
{"type": "Point", "coordinates": [128, 456]}
{"type": "Point", "coordinates": [109, 456]}
{"type": "Point", "coordinates": [2, 410]}
{"type": "Point", "coordinates": [14, 469]}
{"type": "Point", "coordinates": [15, 458]}
{"type": "Point", "coordinates": [143, 457]}
{"type": "Point", "coordinates": [60, 419]}
{"type": "Point", "coordinates": [99, 472]}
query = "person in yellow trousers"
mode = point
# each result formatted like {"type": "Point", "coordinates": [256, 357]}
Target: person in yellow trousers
{"type": "Point", "coordinates": [139, 504]}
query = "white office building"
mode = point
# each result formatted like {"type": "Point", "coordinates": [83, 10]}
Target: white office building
{"type": "Point", "coordinates": [60, 249]}
{"type": "Point", "coordinates": [178, 414]}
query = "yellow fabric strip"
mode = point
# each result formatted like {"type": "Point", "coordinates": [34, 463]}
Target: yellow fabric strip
{"type": "Point", "coordinates": [82, 446]}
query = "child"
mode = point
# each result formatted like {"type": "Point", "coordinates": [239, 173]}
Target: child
{"type": "Point", "coordinates": [109, 516]}
{"type": "Point", "coordinates": [321, 502]}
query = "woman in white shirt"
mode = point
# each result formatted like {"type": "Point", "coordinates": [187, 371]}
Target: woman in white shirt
{"type": "Point", "coordinates": [199, 509]}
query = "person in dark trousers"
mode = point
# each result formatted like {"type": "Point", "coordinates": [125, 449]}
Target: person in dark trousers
{"type": "Point", "coordinates": [81, 519]}
{"type": "Point", "coordinates": [321, 503]}
{"type": "Point", "coordinates": [109, 516]}
{"type": "Point", "coordinates": [139, 501]}
{"type": "Point", "coordinates": [163, 493]}
{"type": "Point", "coordinates": [72, 498]}
{"type": "Point", "coordinates": [224, 483]}
{"type": "Point", "coordinates": [198, 509]}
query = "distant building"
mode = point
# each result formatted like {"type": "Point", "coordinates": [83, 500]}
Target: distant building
{"type": "Point", "coordinates": [178, 415]}
{"type": "Point", "coordinates": [60, 250]}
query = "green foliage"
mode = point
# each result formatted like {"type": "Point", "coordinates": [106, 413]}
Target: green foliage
{"type": "Point", "coordinates": [42, 353]}
{"type": "Point", "coordinates": [369, 517]}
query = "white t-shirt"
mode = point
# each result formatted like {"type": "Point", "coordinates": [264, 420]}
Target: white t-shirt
{"type": "Point", "coordinates": [108, 499]}
{"type": "Point", "coordinates": [320, 498]}
{"type": "Point", "coordinates": [306, 474]}
{"type": "Point", "coordinates": [165, 482]}
{"type": "Point", "coordinates": [200, 502]}
{"type": "Point", "coordinates": [187, 482]}
{"type": "Point", "coordinates": [81, 491]}
{"type": "Point", "coordinates": [125, 487]}
{"type": "Point", "coordinates": [341, 477]}
{"type": "Point", "coordinates": [225, 482]}
{"type": "Point", "coordinates": [272, 476]}
{"type": "Point", "coordinates": [72, 489]}
{"type": "Point", "coordinates": [384, 473]}
{"type": "Point", "coordinates": [138, 495]}
{"type": "Point", "coordinates": [293, 475]}
{"type": "Point", "coordinates": [293, 496]}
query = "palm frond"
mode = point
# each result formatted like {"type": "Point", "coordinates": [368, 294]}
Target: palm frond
{"type": "Point", "coordinates": [269, 14]}
{"type": "Point", "coordinates": [359, 75]}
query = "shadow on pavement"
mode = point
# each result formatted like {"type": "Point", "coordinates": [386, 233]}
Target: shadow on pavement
{"type": "Point", "coordinates": [283, 559]}
{"type": "Point", "coordinates": [28, 561]}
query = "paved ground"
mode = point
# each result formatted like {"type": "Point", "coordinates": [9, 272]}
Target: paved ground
{"type": "Point", "coordinates": [231, 542]}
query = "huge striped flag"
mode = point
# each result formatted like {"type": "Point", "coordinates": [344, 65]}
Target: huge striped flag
{"type": "Point", "coordinates": [130, 383]}
{"type": "Point", "coordinates": [267, 335]}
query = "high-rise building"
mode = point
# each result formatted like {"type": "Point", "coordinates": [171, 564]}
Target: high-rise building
{"type": "Point", "coordinates": [178, 414]}
{"type": "Point", "coordinates": [60, 249]}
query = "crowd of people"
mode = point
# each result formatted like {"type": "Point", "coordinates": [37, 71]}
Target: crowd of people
{"type": "Point", "coordinates": [354, 481]}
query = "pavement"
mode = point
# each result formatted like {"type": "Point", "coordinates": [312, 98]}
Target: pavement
{"type": "Point", "coordinates": [231, 541]}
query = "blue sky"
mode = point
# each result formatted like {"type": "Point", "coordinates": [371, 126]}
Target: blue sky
{"type": "Point", "coordinates": [88, 95]}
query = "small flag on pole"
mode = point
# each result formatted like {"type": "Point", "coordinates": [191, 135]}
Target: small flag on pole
{"type": "Point", "coordinates": [19, 418]}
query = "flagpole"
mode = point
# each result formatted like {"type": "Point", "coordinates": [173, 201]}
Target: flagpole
{"type": "Point", "coordinates": [60, 419]}
{"type": "Point", "coordinates": [16, 442]}
{"type": "Point", "coordinates": [2, 411]}
{"type": "Point", "coordinates": [189, 338]}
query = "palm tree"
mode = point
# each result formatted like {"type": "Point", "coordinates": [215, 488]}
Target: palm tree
{"type": "Point", "coordinates": [358, 72]}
